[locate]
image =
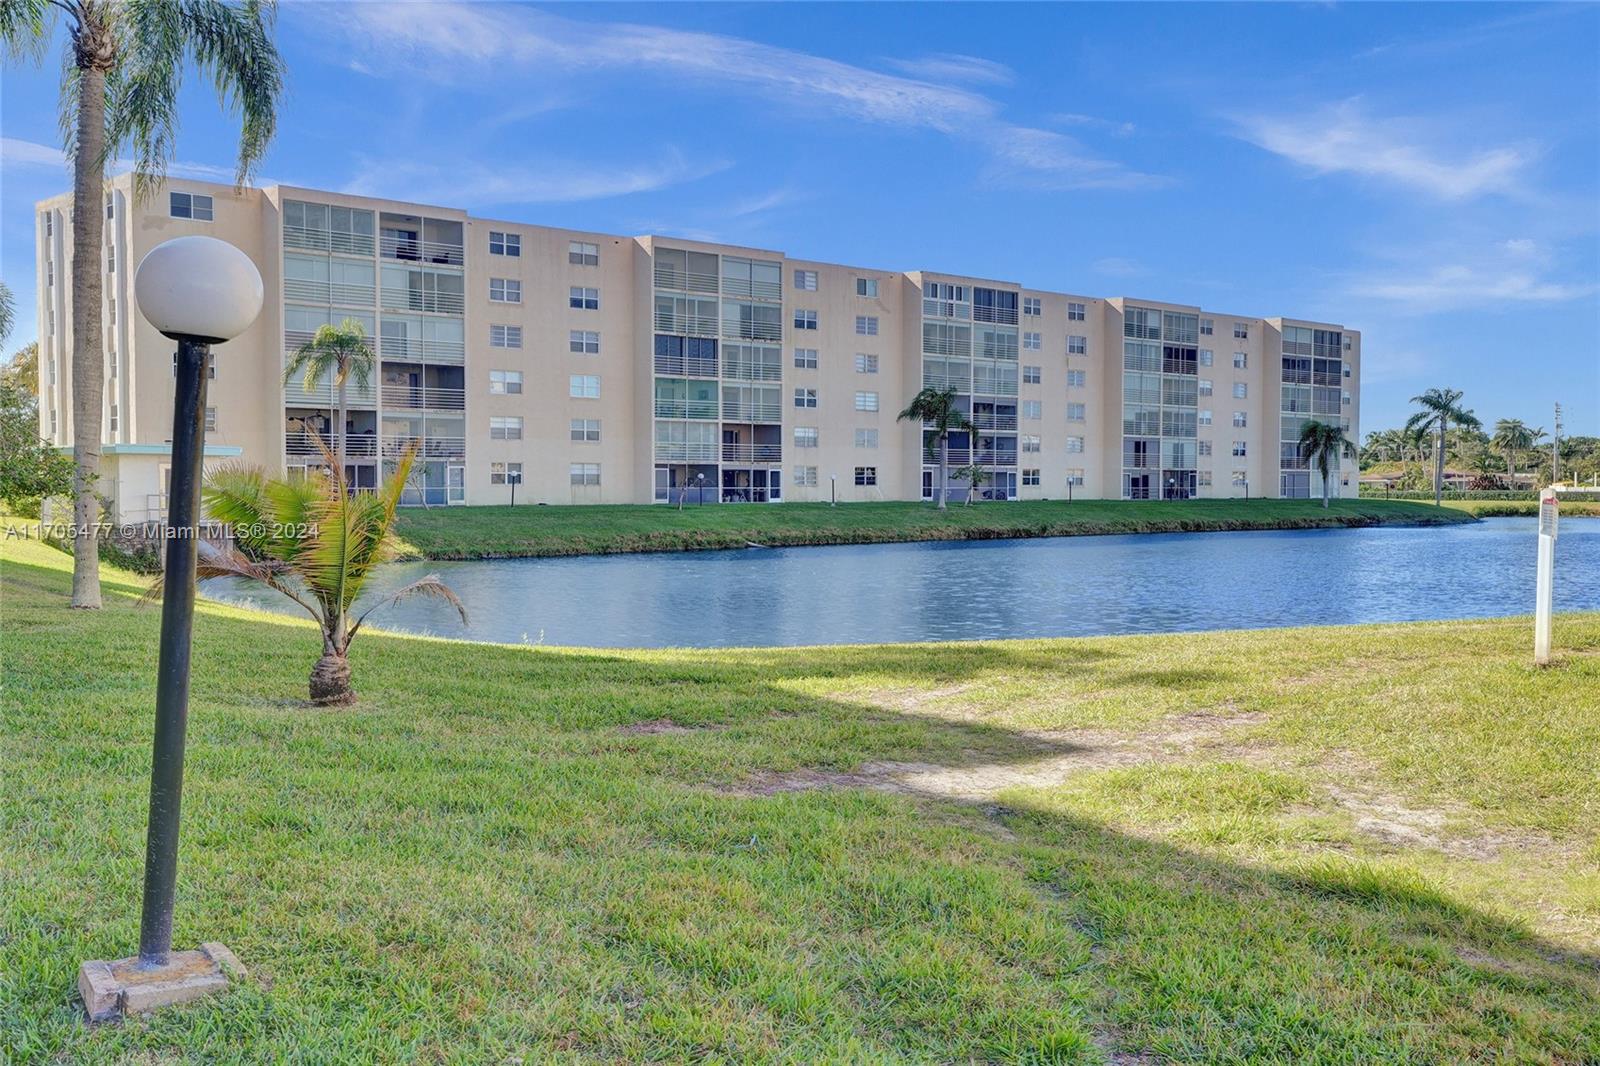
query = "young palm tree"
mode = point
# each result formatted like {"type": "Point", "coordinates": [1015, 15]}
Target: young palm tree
{"type": "Point", "coordinates": [317, 544]}
{"type": "Point", "coordinates": [1324, 444]}
{"type": "Point", "coordinates": [120, 89]}
{"type": "Point", "coordinates": [1441, 408]}
{"type": "Point", "coordinates": [338, 353]}
{"type": "Point", "coordinates": [937, 407]}
{"type": "Point", "coordinates": [974, 474]}
{"type": "Point", "coordinates": [1512, 436]}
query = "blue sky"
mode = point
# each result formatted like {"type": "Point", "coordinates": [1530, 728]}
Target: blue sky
{"type": "Point", "coordinates": [1429, 174]}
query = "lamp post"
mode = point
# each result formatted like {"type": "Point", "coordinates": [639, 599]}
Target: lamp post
{"type": "Point", "coordinates": [514, 478]}
{"type": "Point", "coordinates": [199, 291]}
{"type": "Point", "coordinates": [833, 490]}
{"type": "Point", "coordinates": [700, 490]}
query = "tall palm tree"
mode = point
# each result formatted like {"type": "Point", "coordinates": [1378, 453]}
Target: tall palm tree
{"type": "Point", "coordinates": [317, 544]}
{"type": "Point", "coordinates": [1324, 444]}
{"type": "Point", "coordinates": [120, 90]}
{"type": "Point", "coordinates": [8, 312]}
{"type": "Point", "coordinates": [937, 408]}
{"type": "Point", "coordinates": [1441, 408]}
{"type": "Point", "coordinates": [338, 353]}
{"type": "Point", "coordinates": [1512, 436]}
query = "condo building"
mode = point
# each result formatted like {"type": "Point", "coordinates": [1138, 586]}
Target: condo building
{"type": "Point", "coordinates": [591, 368]}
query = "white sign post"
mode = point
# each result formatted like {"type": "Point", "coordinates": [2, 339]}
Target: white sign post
{"type": "Point", "coordinates": [1546, 580]}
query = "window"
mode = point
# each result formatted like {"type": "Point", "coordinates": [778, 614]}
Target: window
{"type": "Point", "coordinates": [866, 364]}
{"type": "Point", "coordinates": [1075, 476]}
{"type": "Point", "coordinates": [1240, 390]}
{"type": "Point", "coordinates": [1347, 370]}
{"type": "Point", "coordinates": [805, 280]}
{"type": "Point", "coordinates": [505, 427]}
{"type": "Point", "coordinates": [211, 368]}
{"type": "Point", "coordinates": [583, 341]}
{"type": "Point", "coordinates": [1030, 477]}
{"type": "Point", "coordinates": [866, 401]}
{"type": "Point", "coordinates": [1240, 477]}
{"type": "Point", "coordinates": [1032, 375]}
{"type": "Point", "coordinates": [211, 419]}
{"type": "Point", "coordinates": [805, 358]}
{"type": "Point", "coordinates": [505, 336]}
{"type": "Point", "coordinates": [1241, 331]}
{"type": "Point", "coordinates": [1203, 448]}
{"type": "Point", "coordinates": [805, 436]}
{"type": "Point", "coordinates": [1344, 399]}
{"type": "Point", "coordinates": [582, 299]}
{"type": "Point", "coordinates": [49, 273]}
{"type": "Point", "coordinates": [1238, 449]}
{"type": "Point", "coordinates": [584, 386]}
{"type": "Point", "coordinates": [805, 476]}
{"type": "Point", "coordinates": [1204, 479]}
{"type": "Point", "coordinates": [1030, 443]}
{"type": "Point", "coordinates": [1031, 410]}
{"type": "Point", "coordinates": [1239, 419]}
{"type": "Point", "coordinates": [111, 360]}
{"type": "Point", "coordinates": [584, 473]}
{"type": "Point", "coordinates": [108, 206]}
{"type": "Point", "coordinates": [1077, 345]}
{"type": "Point", "coordinates": [1077, 312]}
{"type": "Point", "coordinates": [867, 287]}
{"type": "Point", "coordinates": [805, 397]}
{"type": "Point", "coordinates": [111, 259]}
{"type": "Point", "coordinates": [805, 319]}
{"type": "Point", "coordinates": [866, 325]}
{"type": "Point", "coordinates": [505, 290]}
{"type": "Point", "coordinates": [866, 475]}
{"type": "Point", "coordinates": [1077, 379]}
{"type": "Point", "coordinates": [1030, 306]}
{"type": "Point", "coordinates": [49, 224]}
{"type": "Point", "coordinates": [113, 418]}
{"type": "Point", "coordinates": [505, 382]}
{"type": "Point", "coordinates": [187, 205]}
{"type": "Point", "coordinates": [111, 311]}
{"type": "Point", "coordinates": [1205, 386]}
{"type": "Point", "coordinates": [581, 253]}
{"type": "Point", "coordinates": [1074, 445]}
{"type": "Point", "coordinates": [1207, 327]}
{"type": "Point", "coordinates": [1241, 361]}
{"type": "Point", "coordinates": [866, 438]}
{"type": "Point", "coordinates": [504, 243]}
{"type": "Point", "coordinates": [1204, 417]}
{"type": "Point", "coordinates": [1031, 342]}
{"type": "Point", "coordinates": [586, 430]}
{"type": "Point", "coordinates": [1075, 412]}
{"type": "Point", "coordinates": [504, 473]}
{"type": "Point", "coordinates": [1205, 356]}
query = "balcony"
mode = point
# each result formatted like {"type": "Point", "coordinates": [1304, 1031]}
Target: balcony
{"type": "Point", "coordinates": [933, 379]}
{"type": "Point", "coordinates": [1005, 316]}
{"type": "Point", "coordinates": [431, 351]}
{"type": "Point", "coordinates": [745, 288]}
{"type": "Point", "coordinates": [686, 366]}
{"type": "Point", "coordinates": [686, 451]}
{"type": "Point", "coordinates": [322, 240]}
{"type": "Point", "coordinates": [357, 445]}
{"type": "Point", "coordinates": [966, 456]}
{"type": "Point", "coordinates": [752, 453]}
{"type": "Point", "coordinates": [324, 292]}
{"type": "Point", "coordinates": [747, 370]}
{"type": "Point", "coordinates": [429, 300]}
{"type": "Point", "coordinates": [751, 411]}
{"type": "Point", "coordinates": [687, 325]}
{"type": "Point", "coordinates": [748, 330]}
{"type": "Point", "coordinates": [679, 280]}
{"type": "Point", "coordinates": [702, 409]}
{"type": "Point", "coordinates": [424, 397]}
{"type": "Point", "coordinates": [395, 445]}
{"type": "Point", "coordinates": [995, 421]}
{"type": "Point", "coordinates": [416, 250]}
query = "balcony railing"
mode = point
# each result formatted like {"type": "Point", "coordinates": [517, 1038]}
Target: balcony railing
{"type": "Point", "coordinates": [686, 451]}
{"type": "Point", "coordinates": [413, 250]}
{"type": "Point", "coordinates": [686, 366]}
{"type": "Point", "coordinates": [747, 411]}
{"type": "Point", "coordinates": [357, 445]}
{"type": "Point", "coordinates": [745, 370]}
{"type": "Point", "coordinates": [325, 292]}
{"type": "Point", "coordinates": [323, 240]}
{"type": "Point", "coordinates": [965, 456]}
{"type": "Point", "coordinates": [932, 379]}
{"type": "Point", "coordinates": [752, 331]}
{"type": "Point", "coordinates": [443, 303]}
{"type": "Point", "coordinates": [704, 409]}
{"type": "Point", "coordinates": [1006, 316]}
{"type": "Point", "coordinates": [424, 397]}
{"type": "Point", "coordinates": [937, 345]}
{"type": "Point", "coordinates": [1140, 462]}
{"type": "Point", "coordinates": [687, 325]}
{"type": "Point", "coordinates": [668, 277]}
{"type": "Point", "coordinates": [752, 453]}
{"type": "Point", "coordinates": [946, 309]}
{"type": "Point", "coordinates": [758, 290]}
{"type": "Point", "coordinates": [453, 352]}
{"type": "Point", "coordinates": [395, 445]}
{"type": "Point", "coordinates": [995, 421]}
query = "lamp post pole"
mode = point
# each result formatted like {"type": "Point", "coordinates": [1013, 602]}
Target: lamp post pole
{"type": "Point", "coordinates": [514, 479]}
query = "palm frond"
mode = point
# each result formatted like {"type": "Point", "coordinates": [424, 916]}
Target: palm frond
{"type": "Point", "coordinates": [212, 562]}
{"type": "Point", "coordinates": [430, 586]}
{"type": "Point", "coordinates": [26, 27]}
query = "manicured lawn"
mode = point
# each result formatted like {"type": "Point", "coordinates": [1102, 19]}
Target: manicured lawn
{"type": "Point", "coordinates": [1518, 508]}
{"type": "Point", "coordinates": [480, 532]}
{"type": "Point", "coordinates": [1366, 844]}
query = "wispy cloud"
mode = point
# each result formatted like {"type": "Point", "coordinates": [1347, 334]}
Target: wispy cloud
{"type": "Point", "coordinates": [1112, 126]}
{"type": "Point", "coordinates": [452, 42]}
{"type": "Point", "coordinates": [1515, 271]}
{"type": "Point", "coordinates": [472, 185]}
{"type": "Point", "coordinates": [1115, 266]}
{"type": "Point", "coordinates": [1343, 138]}
{"type": "Point", "coordinates": [953, 66]}
{"type": "Point", "coordinates": [755, 205]}
{"type": "Point", "coordinates": [20, 153]}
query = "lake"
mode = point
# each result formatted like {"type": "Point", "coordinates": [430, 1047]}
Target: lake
{"type": "Point", "coordinates": [980, 590]}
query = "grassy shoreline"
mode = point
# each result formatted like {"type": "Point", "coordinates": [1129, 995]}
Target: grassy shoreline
{"type": "Point", "coordinates": [505, 532]}
{"type": "Point", "coordinates": [1367, 843]}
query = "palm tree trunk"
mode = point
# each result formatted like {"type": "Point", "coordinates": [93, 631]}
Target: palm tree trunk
{"type": "Point", "coordinates": [93, 57]}
{"type": "Point", "coordinates": [944, 466]}
{"type": "Point", "coordinates": [330, 680]}
{"type": "Point", "coordinates": [340, 430]}
{"type": "Point", "coordinates": [1438, 470]}
{"type": "Point", "coordinates": [1326, 478]}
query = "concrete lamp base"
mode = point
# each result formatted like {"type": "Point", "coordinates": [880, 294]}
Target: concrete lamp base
{"type": "Point", "coordinates": [113, 990]}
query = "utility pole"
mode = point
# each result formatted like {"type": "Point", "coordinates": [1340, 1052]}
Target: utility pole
{"type": "Point", "coordinates": [1555, 450]}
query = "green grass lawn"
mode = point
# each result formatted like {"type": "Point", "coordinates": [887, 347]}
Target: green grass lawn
{"type": "Point", "coordinates": [487, 532]}
{"type": "Point", "coordinates": [1342, 845]}
{"type": "Point", "coordinates": [1519, 508]}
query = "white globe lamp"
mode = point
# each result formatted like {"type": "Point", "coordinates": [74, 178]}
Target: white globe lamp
{"type": "Point", "coordinates": [199, 289]}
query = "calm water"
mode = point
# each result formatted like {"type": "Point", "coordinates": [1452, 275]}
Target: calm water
{"type": "Point", "coordinates": [966, 590]}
